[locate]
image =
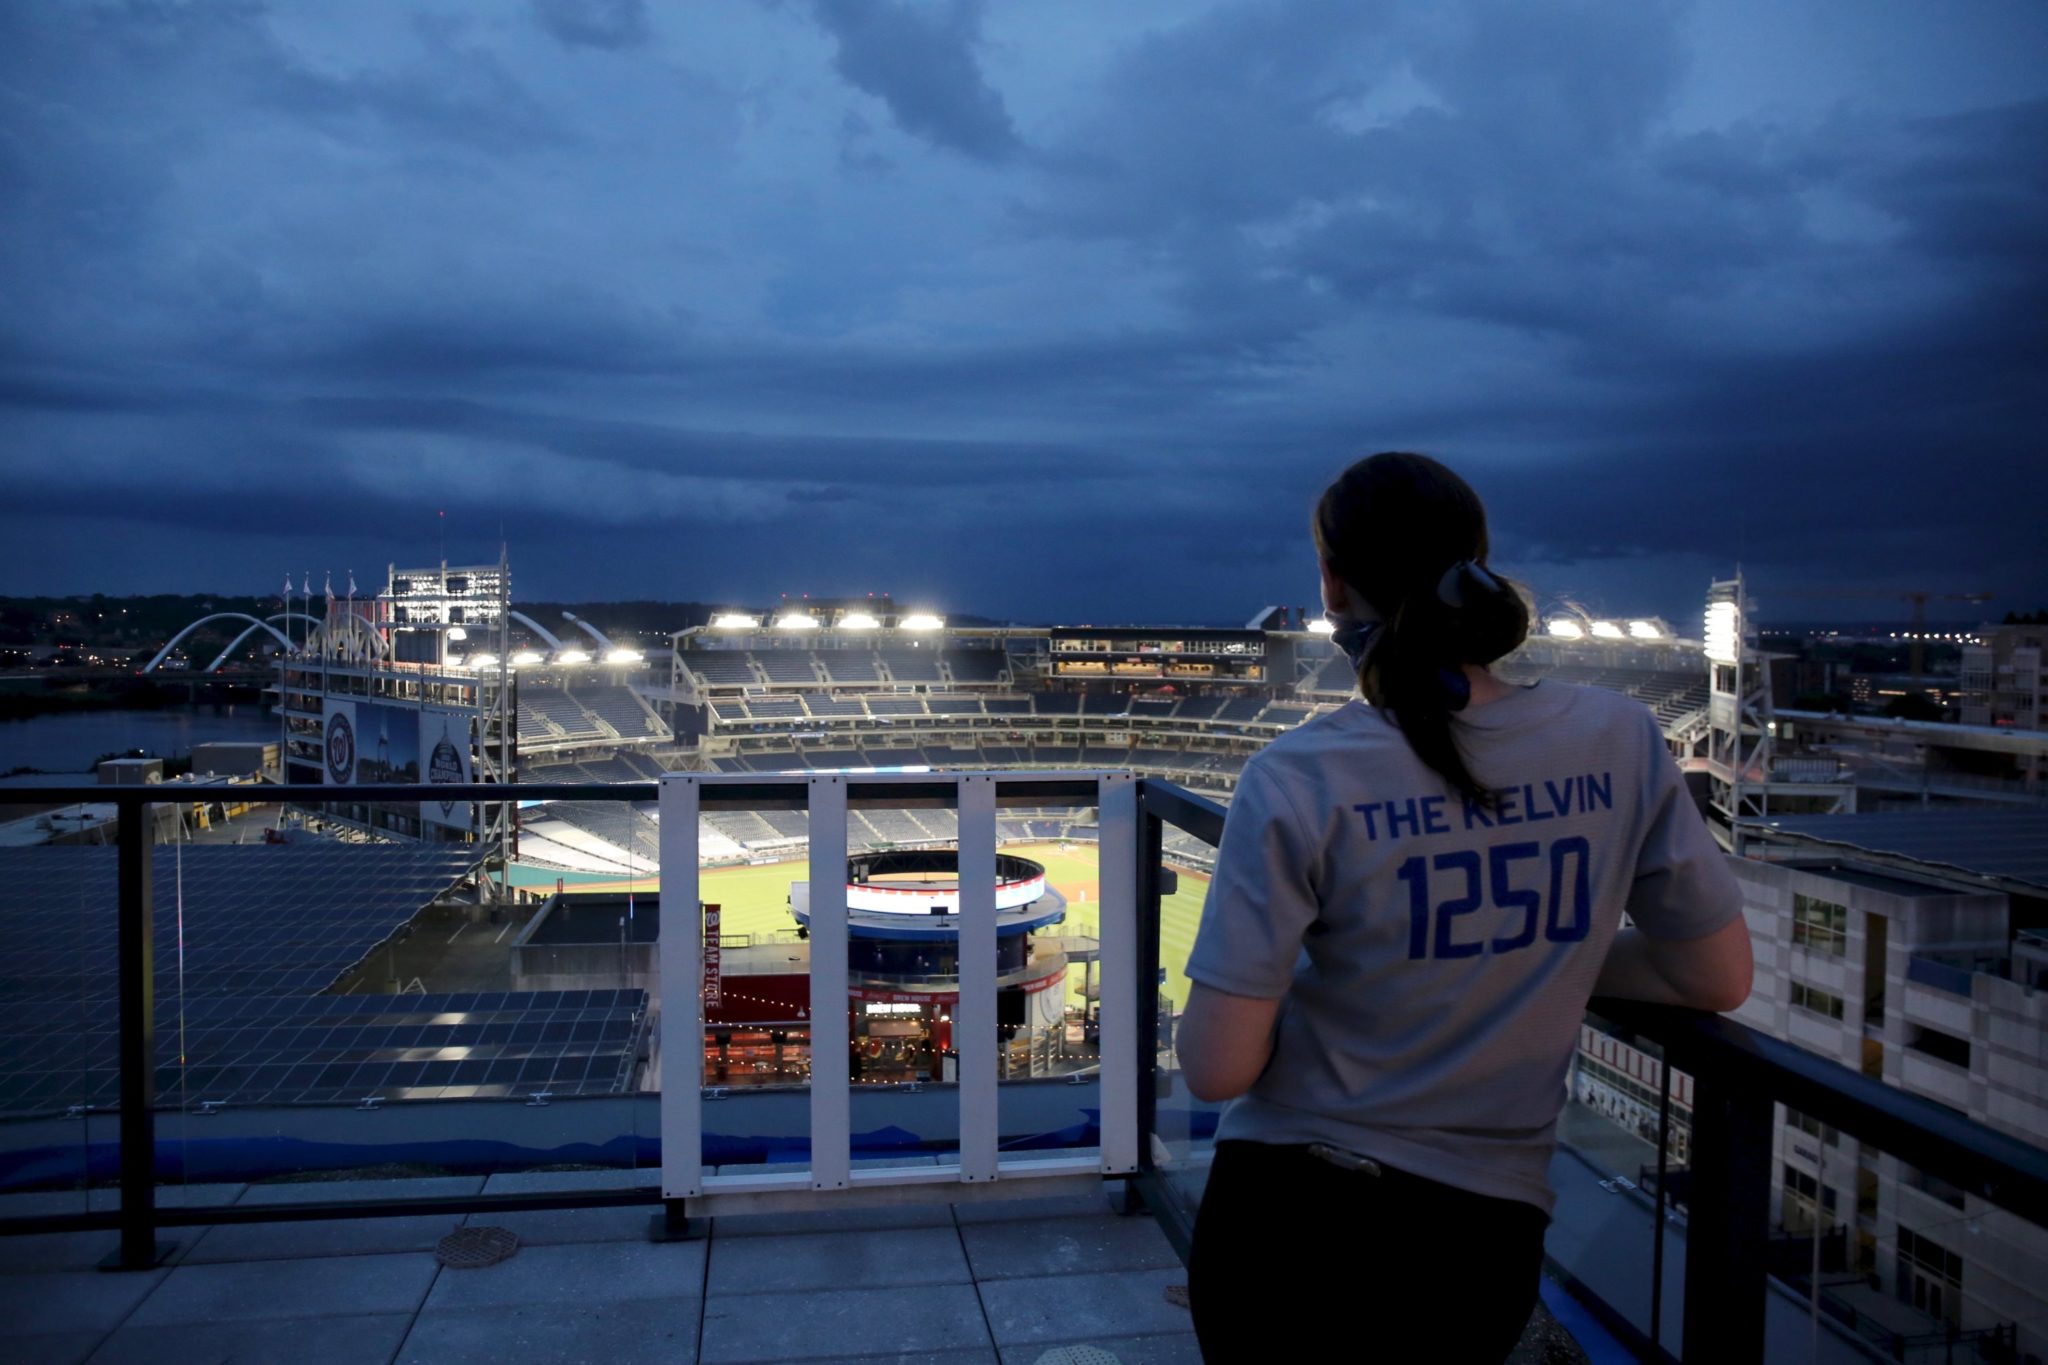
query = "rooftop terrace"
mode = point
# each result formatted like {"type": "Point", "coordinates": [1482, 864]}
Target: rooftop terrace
{"type": "Point", "coordinates": [833, 1254]}
{"type": "Point", "coordinates": [1022, 1280]}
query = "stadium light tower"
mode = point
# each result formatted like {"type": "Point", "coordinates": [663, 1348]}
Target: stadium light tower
{"type": "Point", "coordinates": [796, 619]}
{"type": "Point", "coordinates": [1321, 626]}
{"type": "Point", "coordinates": [921, 620]}
{"type": "Point", "coordinates": [1739, 712]}
{"type": "Point", "coordinates": [1564, 628]}
{"type": "Point", "coordinates": [527, 658]}
{"type": "Point", "coordinates": [1645, 630]}
{"type": "Point", "coordinates": [573, 656]}
{"type": "Point", "coordinates": [858, 620]}
{"type": "Point", "coordinates": [735, 620]}
{"type": "Point", "coordinates": [1607, 630]}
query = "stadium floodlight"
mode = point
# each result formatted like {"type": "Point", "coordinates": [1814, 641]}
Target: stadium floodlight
{"type": "Point", "coordinates": [796, 620]}
{"type": "Point", "coordinates": [457, 633]}
{"type": "Point", "coordinates": [1724, 624]}
{"type": "Point", "coordinates": [1606, 630]}
{"type": "Point", "coordinates": [858, 620]}
{"type": "Point", "coordinates": [1645, 630]}
{"type": "Point", "coordinates": [921, 620]}
{"type": "Point", "coordinates": [624, 656]}
{"type": "Point", "coordinates": [1564, 628]}
{"type": "Point", "coordinates": [572, 656]}
{"type": "Point", "coordinates": [1321, 626]}
{"type": "Point", "coordinates": [735, 620]}
{"type": "Point", "coordinates": [482, 661]}
{"type": "Point", "coordinates": [527, 658]}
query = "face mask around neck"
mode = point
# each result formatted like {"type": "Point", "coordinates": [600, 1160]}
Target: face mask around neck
{"type": "Point", "coordinates": [1353, 635]}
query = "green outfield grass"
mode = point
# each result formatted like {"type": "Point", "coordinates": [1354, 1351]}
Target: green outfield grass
{"type": "Point", "coordinates": [755, 900]}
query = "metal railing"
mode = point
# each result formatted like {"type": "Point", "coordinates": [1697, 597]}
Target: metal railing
{"type": "Point", "coordinates": [685, 1186]}
{"type": "Point", "coordinates": [1738, 1073]}
{"type": "Point", "coordinates": [827, 797]}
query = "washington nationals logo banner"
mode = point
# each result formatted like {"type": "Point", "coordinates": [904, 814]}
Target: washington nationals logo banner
{"type": "Point", "coordinates": [339, 742]}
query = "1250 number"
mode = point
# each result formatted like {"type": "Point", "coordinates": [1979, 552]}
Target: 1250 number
{"type": "Point", "coordinates": [1566, 915]}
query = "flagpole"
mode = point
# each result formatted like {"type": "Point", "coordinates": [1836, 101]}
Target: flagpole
{"type": "Point", "coordinates": [284, 720]}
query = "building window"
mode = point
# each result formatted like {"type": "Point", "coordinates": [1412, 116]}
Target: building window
{"type": "Point", "coordinates": [1798, 1206]}
{"type": "Point", "coordinates": [1931, 1185]}
{"type": "Point", "coordinates": [1806, 997]}
{"type": "Point", "coordinates": [1933, 1042]}
{"type": "Point", "coordinates": [1930, 1276]}
{"type": "Point", "coordinates": [1812, 1127]}
{"type": "Point", "coordinates": [1820, 925]}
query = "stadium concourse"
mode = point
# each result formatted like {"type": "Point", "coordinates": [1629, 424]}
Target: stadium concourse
{"type": "Point", "coordinates": [845, 690]}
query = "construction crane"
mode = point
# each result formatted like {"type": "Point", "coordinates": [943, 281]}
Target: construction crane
{"type": "Point", "coordinates": [1917, 638]}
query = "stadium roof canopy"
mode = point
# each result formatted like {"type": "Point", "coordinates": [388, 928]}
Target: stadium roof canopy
{"type": "Point", "coordinates": [2008, 846]}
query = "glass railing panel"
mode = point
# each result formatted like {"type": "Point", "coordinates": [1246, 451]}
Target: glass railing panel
{"type": "Point", "coordinates": [1183, 1134]}
{"type": "Point", "coordinates": [1871, 1256]}
{"type": "Point", "coordinates": [753, 925]}
{"type": "Point", "coordinates": [1048, 977]}
{"type": "Point", "coordinates": [1604, 1239]}
{"type": "Point", "coordinates": [338, 1007]}
{"type": "Point", "coordinates": [59, 1083]}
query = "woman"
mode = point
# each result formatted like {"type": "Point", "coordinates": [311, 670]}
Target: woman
{"type": "Point", "coordinates": [1414, 898]}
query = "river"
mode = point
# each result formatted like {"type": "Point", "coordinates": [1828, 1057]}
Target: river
{"type": "Point", "coordinates": [64, 745]}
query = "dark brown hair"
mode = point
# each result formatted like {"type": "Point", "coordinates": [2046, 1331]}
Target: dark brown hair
{"type": "Point", "coordinates": [1393, 527]}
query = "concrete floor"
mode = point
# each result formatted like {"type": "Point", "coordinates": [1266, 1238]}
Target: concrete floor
{"type": "Point", "coordinates": [995, 1282]}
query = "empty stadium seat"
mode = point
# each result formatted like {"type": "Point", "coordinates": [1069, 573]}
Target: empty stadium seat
{"type": "Point", "coordinates": [720, 667]}
{"type": "Point", "coordinates": [849, 665]}
{"type": "Point", "coordinates": [623, 711]}
{"type": "Point", "coordinates": [786, 666]}
{"type": "Point", "coordinates": [911, 665]}
{"type": "Point", "coordinates": [1239, 710]}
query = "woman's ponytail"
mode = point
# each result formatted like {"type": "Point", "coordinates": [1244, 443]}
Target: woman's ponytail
{"type": "Point", "coordinates": [1409, 537]}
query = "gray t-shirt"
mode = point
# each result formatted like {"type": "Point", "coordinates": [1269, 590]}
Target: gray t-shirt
{"type": "Point", "coordinates": [1436, 956]}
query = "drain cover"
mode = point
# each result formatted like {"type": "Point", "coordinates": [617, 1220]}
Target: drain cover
{"type": "Point", "coordinates": [473, 1248]}
{"type": "Point", "coordinates": [1077, 1355]}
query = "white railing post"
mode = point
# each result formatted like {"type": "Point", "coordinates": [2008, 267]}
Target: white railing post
{"type": "Point", "coordinates": [830, 1101]}
{"type": "Point", "coordinates": [974, 1017]}
{"type": "Point", "coordinates": [682, 992]}
{"type": "Point", "coordinates": [1118, 1000]}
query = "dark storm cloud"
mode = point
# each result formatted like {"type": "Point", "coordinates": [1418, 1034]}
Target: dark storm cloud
{"type": "Point", "coordinates": [1047, 311]}
{"type": "Point", "coordinates": [609, 24]}
{"type": "Point", "coordinates": [919, 59]}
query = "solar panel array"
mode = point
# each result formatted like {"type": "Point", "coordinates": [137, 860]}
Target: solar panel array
{"type": "Point", "coordinates": [241, 1020]}
{"type": "Point", "coordinates": [256, 919]}
{"type": "Point", "coordinates": [281, 1050]}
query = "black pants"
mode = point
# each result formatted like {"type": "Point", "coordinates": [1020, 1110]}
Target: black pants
{"type": "Point", "coordinates": [1296, 1260]}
